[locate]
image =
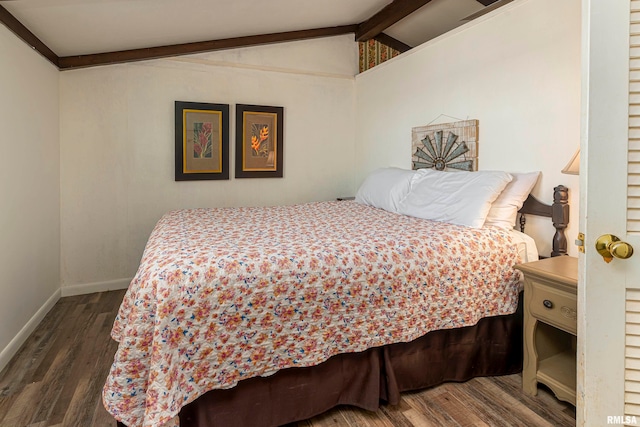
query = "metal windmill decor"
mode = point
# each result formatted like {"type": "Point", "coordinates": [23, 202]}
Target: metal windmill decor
{"type": "Point", "coordinates": [446, 146]}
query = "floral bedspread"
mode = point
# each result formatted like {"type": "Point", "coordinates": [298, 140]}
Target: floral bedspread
{"type": "Point", "coordinates": [231, 293]}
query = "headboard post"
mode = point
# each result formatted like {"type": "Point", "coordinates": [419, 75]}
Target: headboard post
{"type": "Point", "coordinates": [558, 212]}
{"type": "Point", "coordinates": [560, 218]}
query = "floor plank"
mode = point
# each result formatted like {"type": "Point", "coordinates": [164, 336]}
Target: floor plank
{"type": "Point", "coordinates": [56, 379]}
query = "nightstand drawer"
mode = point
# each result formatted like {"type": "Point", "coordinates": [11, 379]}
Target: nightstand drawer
{"type": "Point", "coordinates": [553, 306]}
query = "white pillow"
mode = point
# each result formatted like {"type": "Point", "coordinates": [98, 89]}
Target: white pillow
{"type": "Point", "coordinates": [504, 209]}
{"type": "Point", "coordinates": [462, 198]}
{"type": "Point", "coordinates": [385, 188]}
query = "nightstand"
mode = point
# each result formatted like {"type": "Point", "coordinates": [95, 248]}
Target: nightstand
{"type": "Point", "coordinates": [550, 326]}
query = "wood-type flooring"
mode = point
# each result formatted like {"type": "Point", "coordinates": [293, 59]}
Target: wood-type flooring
{"type": "Point", "coordinates": [57, 376]}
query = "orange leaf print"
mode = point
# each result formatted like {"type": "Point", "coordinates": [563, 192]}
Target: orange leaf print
{"type": "Point", "coordinates": [264, 133]}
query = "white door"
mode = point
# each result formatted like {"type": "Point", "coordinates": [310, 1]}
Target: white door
{"type": "Point", "coordinates": [609, 293]}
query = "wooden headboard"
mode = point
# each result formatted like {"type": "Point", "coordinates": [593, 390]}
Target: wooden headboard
{"type": "Point", "coordinates": [558, 212]}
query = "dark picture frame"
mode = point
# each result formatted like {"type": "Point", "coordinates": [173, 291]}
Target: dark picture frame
{"type": "Point", "coordinates": [202, 141]}
{"type": "Point", "coordinates": [259, 141]}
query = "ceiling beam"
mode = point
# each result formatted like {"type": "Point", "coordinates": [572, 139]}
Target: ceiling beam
{"type": "Point", "coordinates": [493, 6]}
{"type": "Point", "coordinates": [486, 2]}
{"type": "Point", "coordinates": [393, 43]}
{"type": "Point", "coordinates": [76, 61]}
{"type": "Point", "coordinates": [388, 16]}
{"type": "Point", "coordinates": [27, 36]}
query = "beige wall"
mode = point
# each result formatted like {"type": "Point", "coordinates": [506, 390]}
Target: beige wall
{"type": "Point", "coordinates": [517, 72]}
{"type": "Point", "coordinates": [29, 190]}
{"type": "Point", "coordinates": [117, 144]}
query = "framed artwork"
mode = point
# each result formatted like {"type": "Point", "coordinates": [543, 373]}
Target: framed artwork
{"type": "Point", "coordinates": [202, 141]}
{"type": "Point", "coordinates": [445, 146]}
{"type": "Point", "coordinates": [259, 141]}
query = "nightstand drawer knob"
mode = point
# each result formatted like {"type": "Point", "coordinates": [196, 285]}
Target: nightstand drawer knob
{"type": "Point", "coordinates": [547, 303]}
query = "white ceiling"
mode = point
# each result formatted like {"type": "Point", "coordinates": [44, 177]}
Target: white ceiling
{"type": "Point", "coordinates": [77, 27]}
{"type": "Point", "coordinates": [433, 19]}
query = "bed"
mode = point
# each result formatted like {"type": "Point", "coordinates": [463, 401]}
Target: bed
{"type": "Point", "coordinates": [266, 316]}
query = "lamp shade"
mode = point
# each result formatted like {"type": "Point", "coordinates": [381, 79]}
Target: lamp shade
{"type": "Point", "coordinates": [573, 167]}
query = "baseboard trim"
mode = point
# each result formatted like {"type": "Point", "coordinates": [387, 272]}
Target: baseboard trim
{"type": "Point", "coordinates": [66, 291]}
{"type": "Point", "coordinates": [89, 288]}
{"type": "Point", "coordinates": [14, 345]}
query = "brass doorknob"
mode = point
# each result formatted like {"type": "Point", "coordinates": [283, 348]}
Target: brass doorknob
{"type": "Point", "coordinates": [610, 246]}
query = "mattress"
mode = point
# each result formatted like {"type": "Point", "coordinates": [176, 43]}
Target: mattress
{"type": "Point", "coordinates": [527, 249]}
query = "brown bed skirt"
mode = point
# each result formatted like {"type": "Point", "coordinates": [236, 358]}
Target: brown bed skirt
{"type": "Point", "coordinates": [490, 348]}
